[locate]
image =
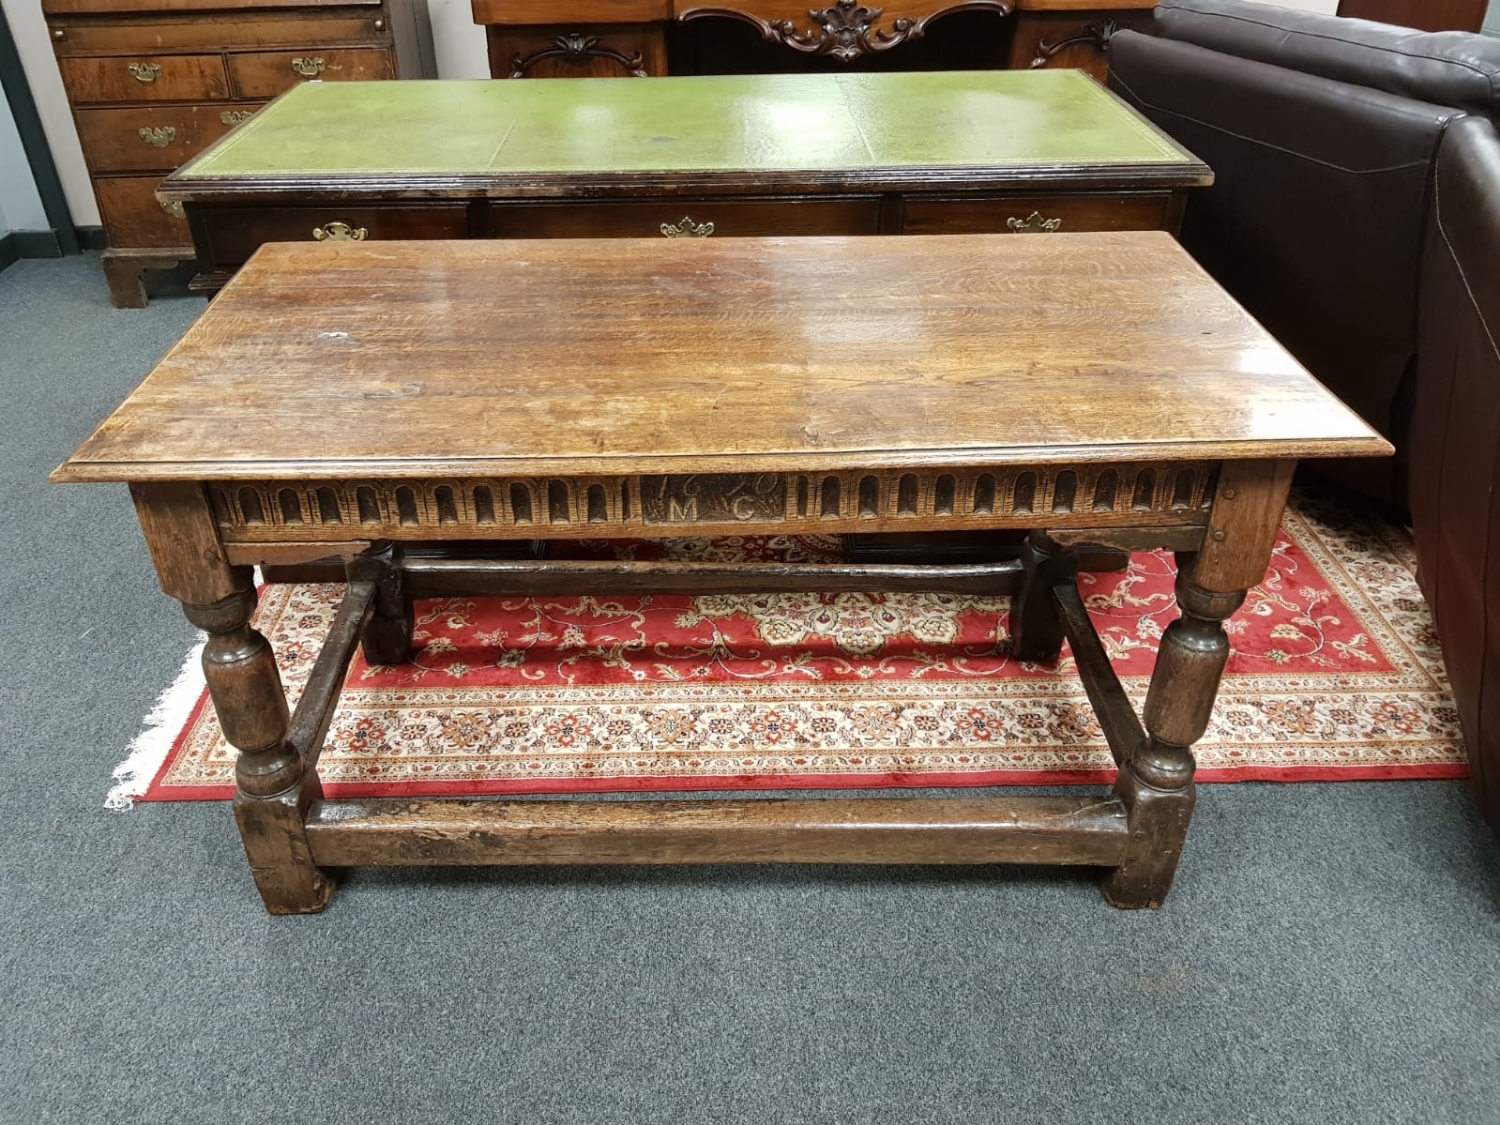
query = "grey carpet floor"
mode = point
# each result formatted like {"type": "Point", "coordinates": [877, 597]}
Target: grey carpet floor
{"type": "Point", "coordinates": [1331, 953]}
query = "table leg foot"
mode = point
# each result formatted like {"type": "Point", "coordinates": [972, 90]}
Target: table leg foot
{"type": "Point", "coordinates": [1036, 629]}
{"type": "Point", "coordinates": [1158, 827]}
{"type": "Point", "coordinates": [276, 846]}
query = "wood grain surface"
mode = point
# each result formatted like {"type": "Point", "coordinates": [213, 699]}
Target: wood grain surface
{"type": "Point", "coordinates": [698, 356]}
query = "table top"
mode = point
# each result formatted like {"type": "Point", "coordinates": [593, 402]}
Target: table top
{"type": "Point", "coordinates": [850, 125]}
{"type": "Point", "coordinates": [383, 360]}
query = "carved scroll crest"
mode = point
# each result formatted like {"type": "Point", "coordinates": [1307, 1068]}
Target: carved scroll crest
{"type": "Point", "coordinates": [846, 31]}
{"type": "Point", "coordinates": [576, 49]}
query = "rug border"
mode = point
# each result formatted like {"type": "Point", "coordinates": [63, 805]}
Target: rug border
{"type": "Point", "coordinates": [991, 779]}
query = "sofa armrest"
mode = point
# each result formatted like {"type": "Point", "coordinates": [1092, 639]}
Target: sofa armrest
{"type": "Point", "coordinates": [1315, 220]}
{"type": "Point", "coordinates": [1447, 67]}
{"type": "Point", "coordinates": [1455, 437]}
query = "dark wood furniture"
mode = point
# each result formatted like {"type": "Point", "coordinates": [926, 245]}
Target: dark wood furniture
{"type": "Point", "coordinates": [754, 155]}
{"type": "Point", "coordinates": [641, 38]}
{"type": "Point", "coordinates": [1424, 15]}
{"type": "Point", "coordinates": [361, 398]}
{"type": "Point", "coordinates": [155, 82]}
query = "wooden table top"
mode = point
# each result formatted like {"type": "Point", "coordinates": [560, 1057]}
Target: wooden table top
{"type": "Point", "coordinates": [382, 360]}
{"type": "Point", "coordinates": [871, 125]}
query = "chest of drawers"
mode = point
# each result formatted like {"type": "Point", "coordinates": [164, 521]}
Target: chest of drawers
{"type": "Point", "coordinates": [153, 82]}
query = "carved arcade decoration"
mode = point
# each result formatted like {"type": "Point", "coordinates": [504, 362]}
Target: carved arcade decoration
{"type": "Point", "coordinates": [1092, 495]}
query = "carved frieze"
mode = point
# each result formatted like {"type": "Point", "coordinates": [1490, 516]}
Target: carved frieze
{"type": "Point", "coordinates": [1122, 495]}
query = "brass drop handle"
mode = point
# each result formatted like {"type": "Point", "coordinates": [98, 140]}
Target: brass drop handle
{"type": "Point", "coordinates": [340, 232]}
{"type": "Point", "coordinates": [308, 67]}
{"type": "Point", "coordinates": [1033, 224]}
{"type": "Point", "coordinates": [173, 207]}
{"type": "Point", "coordinates": [159, 137]}
{"type": "Point", "coordinates": [147, 72]}
{"type": "Point", "coordinates": [236, 116]}
{"type": "Point", "coordinates": [687, 229]}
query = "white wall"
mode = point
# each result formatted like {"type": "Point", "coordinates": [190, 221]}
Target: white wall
{"type": "Point", "coordinates": [30, 31]}
{"type": "Point", "coordinates": [20, 205]}
{"type": "Point", "coordinates": [457, 40]}
{"type": "Point", "coordinates": [1492, 21]}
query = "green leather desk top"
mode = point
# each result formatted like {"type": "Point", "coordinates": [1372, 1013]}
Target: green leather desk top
{"type": "Point", "coordinates": [834, 123]}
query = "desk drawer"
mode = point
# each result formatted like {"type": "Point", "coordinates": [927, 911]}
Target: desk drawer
{"type": "Point", "coordinates": [727, 217]}
{"type": "Point", "coordinates": [191, 31]}
{"type": "Point", "coordinates": [265, 74]}
{"type": "Point", "coordinates": [970, 215]}
{"type": "Point", "coordinates": [145, 78]}
{"type": "Point", "coordinates": [232, 234]}
{"type": "Point", "coordinates": [152, 138]}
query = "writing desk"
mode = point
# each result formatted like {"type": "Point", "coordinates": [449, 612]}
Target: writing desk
{"type": "Point", "coordinates": [833, 154]}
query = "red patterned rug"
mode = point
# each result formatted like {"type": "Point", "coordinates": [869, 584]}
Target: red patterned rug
{"type": "Point", "coordinates": [1335, 675]}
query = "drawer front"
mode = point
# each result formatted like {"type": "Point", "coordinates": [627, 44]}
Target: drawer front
{"type": "Point", "coordinates": [153, 138]}
{"type": "Point", "coordinates": [265, 74]}
{"type": "Point", "coordinates": [231, 234]}
{"type": "Point", "coordinates": [1038, 213]}
{"type": "Point", "coordinates": [289, 28]}
{"type": "Point", "coordinates": [145, 78]}
{"type": "Point", "coordinates": [719, 217]}
{"type": "Point", "coordinates": [133, 217]}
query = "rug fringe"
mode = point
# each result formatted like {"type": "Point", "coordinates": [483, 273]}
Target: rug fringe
{"type": "Point", "coordinates": [160, 728]}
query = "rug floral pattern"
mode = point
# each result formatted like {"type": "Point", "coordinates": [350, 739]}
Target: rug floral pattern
{"type": "Point", "coordinates": [1335, 673]}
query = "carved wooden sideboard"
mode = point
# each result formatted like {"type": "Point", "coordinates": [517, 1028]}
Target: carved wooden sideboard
{"type": "Point", "coordinates": [154, 82]}
{"type": "Point", "coordinates": [647, 38]}
{"type": "Point", "coordinates": [847, 154]}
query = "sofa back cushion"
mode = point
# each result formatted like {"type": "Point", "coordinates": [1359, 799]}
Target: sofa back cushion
{"type": "Point", "coordinates": [1316, 216]}
{"type": "Point", "coordinates": [1451, 68]}
{"type": "Point", "coordinates": [1455, 437]}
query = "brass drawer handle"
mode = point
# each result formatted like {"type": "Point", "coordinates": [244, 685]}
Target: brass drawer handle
{"type": "Point", "coordinates": [687, 229]}
{"type": "Point", "coordinates": [159, 137]}
{"type": "Point", "coordinates": [147, 72]}
{"type": "Point", "coordinates": [340, 232]}
{"type": "Point", "coordinates": [173, 207]}
{"type": "Point", "coordinates": [236, 116]}
{"type": "Point", "coordinates": [1033, 224]}
{"type": "Point", "coordinates": [308, 67]}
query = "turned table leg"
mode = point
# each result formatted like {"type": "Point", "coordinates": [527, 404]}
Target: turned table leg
{"type": "Point", "coordinates": [273, 786]}
{"type": "Point", "coordinates": [1156, 784]}
{"type": "Point", "coordinates": [387, 636]}
{"type": "Point", "coordinates": [1156, 781]}
{"type": "Point", "coordinates": [1036, 629]}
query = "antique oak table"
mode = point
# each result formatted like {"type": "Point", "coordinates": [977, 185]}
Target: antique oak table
{"type": "Point", "coordinates": [381, 401]}
{"type": "Point", "coordinates": [837, 154]}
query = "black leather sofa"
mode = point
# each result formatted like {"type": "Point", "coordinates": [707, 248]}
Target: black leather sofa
{"type": "Point", "coordinates": [1356, 213]}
